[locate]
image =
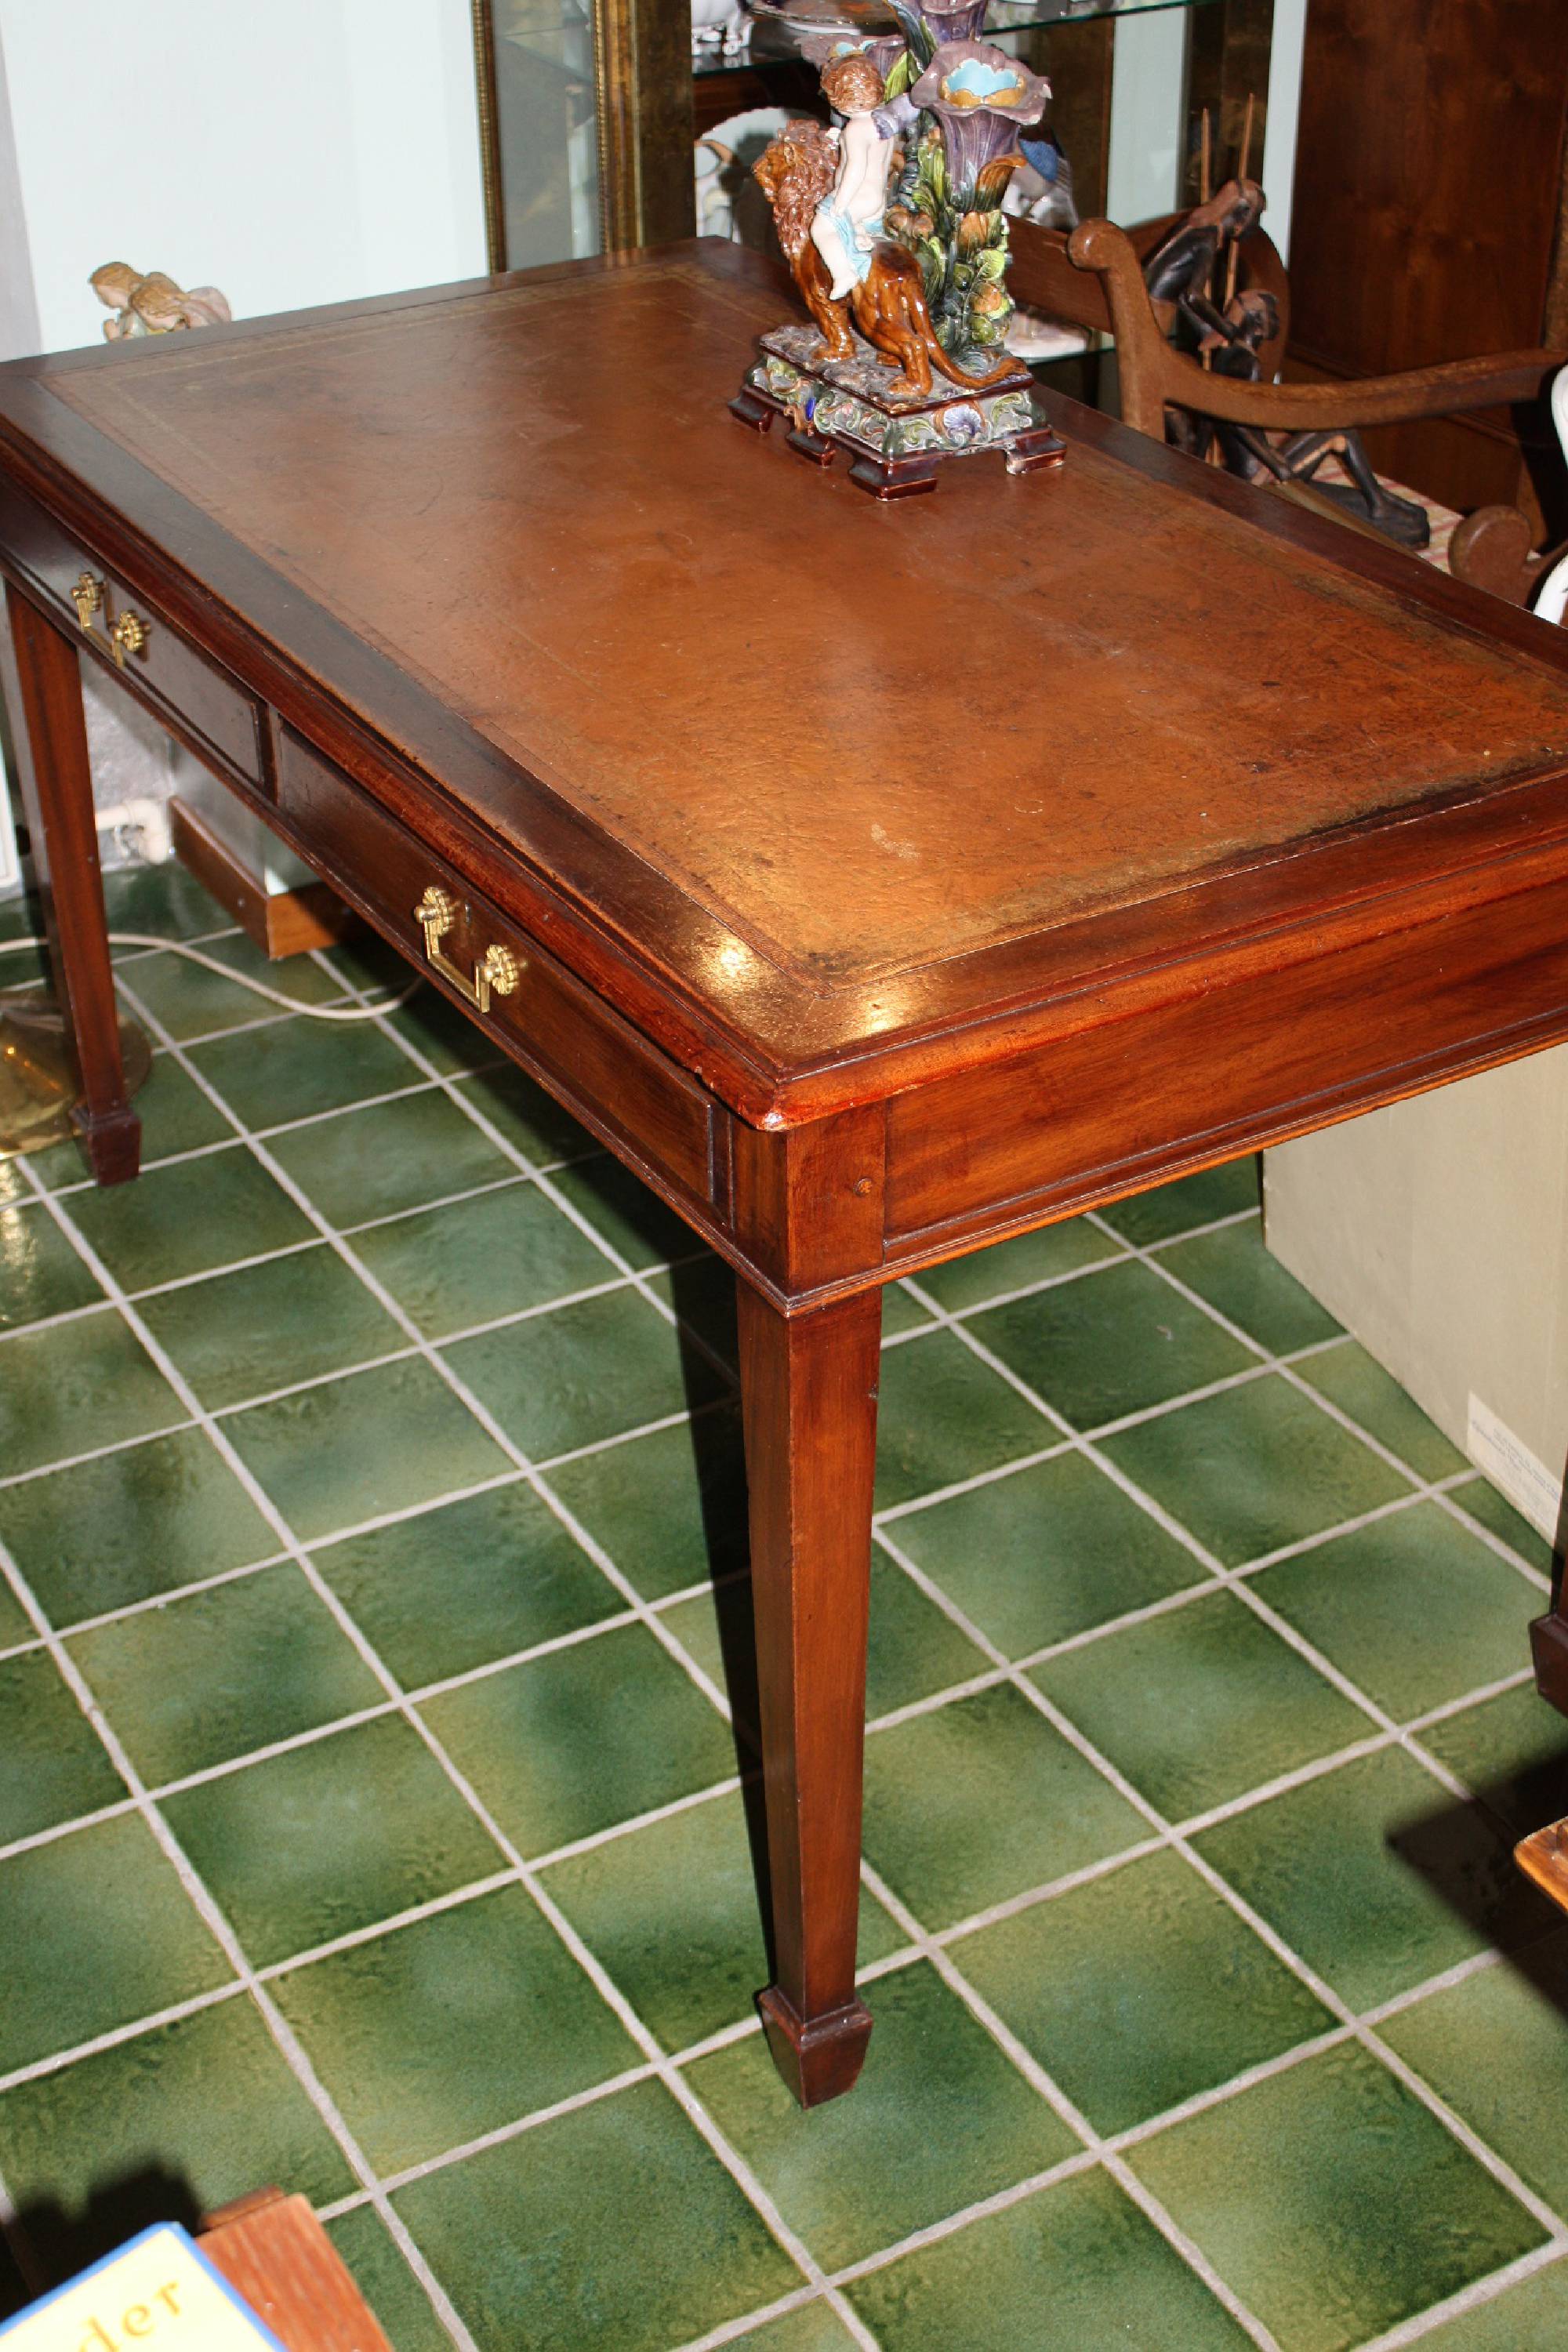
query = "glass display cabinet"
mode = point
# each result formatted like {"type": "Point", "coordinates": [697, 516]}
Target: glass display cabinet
{"type": "Point", "coordinates": [589, 108]}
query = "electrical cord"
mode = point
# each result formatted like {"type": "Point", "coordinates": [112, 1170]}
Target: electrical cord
{"type": "Point", "coordinates": [225, 971]}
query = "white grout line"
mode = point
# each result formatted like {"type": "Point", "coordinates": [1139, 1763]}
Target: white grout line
{"type": "Point", "coordinates": [751, 2187]}
{"type": "Point", "coordinates": [216, 1924]}
{"type": "Point", "coordinates": [930, 1947]}
{"type": "Point", "coordinates": [1033, 2072]}
{"type": "Point", "coordinates": [1470, 2298]}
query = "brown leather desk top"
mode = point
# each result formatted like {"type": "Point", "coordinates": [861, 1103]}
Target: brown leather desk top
{"type": "Point", "coordinates": [842, 772]}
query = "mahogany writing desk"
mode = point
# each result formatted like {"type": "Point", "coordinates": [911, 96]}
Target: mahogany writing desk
{"type": "Point", "coordinates": [874, 881]}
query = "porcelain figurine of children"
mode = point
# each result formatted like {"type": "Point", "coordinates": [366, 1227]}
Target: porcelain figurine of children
{"type": "Point", "coordinates": [848, 220]}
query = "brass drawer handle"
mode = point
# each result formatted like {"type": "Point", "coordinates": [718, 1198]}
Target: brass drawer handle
{"type": "Point", "coordinates": [129, 633]}
{"type": "Point", "coordinates": [498, 968]}
{"type": "Point", "coordinates": [87, 598]}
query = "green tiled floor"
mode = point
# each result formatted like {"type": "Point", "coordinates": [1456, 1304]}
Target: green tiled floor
{"type": "Point", "coordinates": [369, 1823]}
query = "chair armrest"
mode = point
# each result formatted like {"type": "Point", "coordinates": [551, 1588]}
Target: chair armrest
{"type": "Point", "coordinates": [1154, 376]}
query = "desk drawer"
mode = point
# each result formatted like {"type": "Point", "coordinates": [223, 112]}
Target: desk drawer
{"type": "Point", "coordinates": [583, 1051]}
{"type": "Point", "coordinates": [200, 701]}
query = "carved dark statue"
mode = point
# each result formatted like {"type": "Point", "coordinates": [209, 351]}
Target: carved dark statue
{"type": "Point", "coordinates": [1180, 275]}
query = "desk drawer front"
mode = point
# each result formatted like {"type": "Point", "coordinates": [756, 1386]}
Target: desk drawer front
{"type": "Point", "coordinates": [581, 1050]}
{"type": "Point", "coordinates": [202, 702]}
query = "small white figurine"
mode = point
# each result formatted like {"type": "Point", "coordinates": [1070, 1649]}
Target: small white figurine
{"type": "Point", "coordinates": [848, 220]}
{"type": "Point", "coordinates": [721, 22]}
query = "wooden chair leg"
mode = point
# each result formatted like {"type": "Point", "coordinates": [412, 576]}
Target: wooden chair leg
{"type": "Point", "coordinates": [809, 1400]}
{"type": "Point", "coordinates": [57, 800]}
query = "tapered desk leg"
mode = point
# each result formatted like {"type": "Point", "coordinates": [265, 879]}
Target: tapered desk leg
{"type": "Point", "coordinates": [809, 1397]}
{"type": "Point", "coordinates": [57, 799]}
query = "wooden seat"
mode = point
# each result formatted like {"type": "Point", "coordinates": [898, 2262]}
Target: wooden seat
{"type": "Point", "coordinates": [1094, 277]}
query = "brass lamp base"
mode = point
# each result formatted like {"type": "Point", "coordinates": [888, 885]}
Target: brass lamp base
{"type": "Point", "coordinates": [38, 1085]}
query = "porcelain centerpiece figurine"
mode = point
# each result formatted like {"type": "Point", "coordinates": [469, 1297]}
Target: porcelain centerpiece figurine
{"type": "Point", "coordinates": [901, 293]}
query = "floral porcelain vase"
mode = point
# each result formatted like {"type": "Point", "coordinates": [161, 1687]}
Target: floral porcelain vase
{"type": "Point", "coordinates": [960, 104]}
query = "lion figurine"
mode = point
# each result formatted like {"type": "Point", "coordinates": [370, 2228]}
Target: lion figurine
{"type": "Point", "coordinates": [889, 305]}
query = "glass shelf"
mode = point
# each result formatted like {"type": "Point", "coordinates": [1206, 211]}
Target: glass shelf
{"type": "Point", "coordinates": [771, 43]}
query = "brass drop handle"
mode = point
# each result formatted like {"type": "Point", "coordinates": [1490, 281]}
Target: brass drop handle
{"type": "Point", "coordinates": [497, 970]}
{"type": "Point", "coordinates": [87, 598]}
{"type": "Point", "coordinates": [128, 635]}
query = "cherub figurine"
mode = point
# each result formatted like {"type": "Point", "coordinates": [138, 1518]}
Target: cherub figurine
{"type": "Point", "coordinates": [153, 305]}
{"type": "Point", "coordinates": [848, 220]}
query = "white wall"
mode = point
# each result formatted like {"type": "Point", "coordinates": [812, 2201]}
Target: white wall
{"type": "Point", "coordinates": [299, 151]}
{"type": "Point", "coordinates": [294, 153]}
{"type": "Point", "coordinates": [1437, 1230]}
{"type": "Point", "coordinates": [1148, 115]}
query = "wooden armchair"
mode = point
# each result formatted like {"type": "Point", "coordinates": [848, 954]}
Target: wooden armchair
{"type": "Point", "coordinates": [1094, 277]}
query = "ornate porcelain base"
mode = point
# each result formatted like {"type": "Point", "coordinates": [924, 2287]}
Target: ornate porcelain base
{"type": "Point", "coordinates": [895, 437]}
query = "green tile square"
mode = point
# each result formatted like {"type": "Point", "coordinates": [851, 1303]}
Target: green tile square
{"type": "Point", "coordinates": [1512, 1750]}
{"type": "Point", "coordinates": [165, 2125]}
{"type": "Point", "coordinates": [175, 1115]}
{"type": "Point", "coordinates": [901, 1311]}
{"type": "Point", "coordinates": [15, 1625]}
{"type": "Point", "coordinates": [1042, 1554]}
{"type": "Point", "coordinates": [1358, 1384]}
{"type": "Point", "coordinates": [1376, 2212]}
{"type": "Point", "coordinates": [330, 1837]}
{"type": "Point", "coordinates": [625, 1214]}
{"type": "Point", "coordinates": [451, 2027]}
{"type": "Point", "coordinates": [1413, 1608]}
{"type": "Point", "coordinates": [940, 2118]}
{"type": "Point", "coordinates": [395, 2296]}
{"type": "Point", "coordinates": [1071, 2269]}
{"type": "Point", "coordinates": [1495, 2047]}
{"type": "Point", "coordinates": [359, 1447]}
{"type": "Point", "coordinates": [672, 1911]}
{"type": "Point", "coordinates": [474, 1261]}
{"type": "Point", "coordinates": [584, 1372]}
{"type": "Point", "coordinates": [1255, 1468]}
{"type": "Point", "coordinates": [118, 1529]}
{"type": "Point", "coordinates": [294, 1068]}
{"type": "Point", "coordinates": [1374, 1875]}
{"type": "Point", "coordinates": [1191, 1201]}
{"type": "Point", "coordinates": [530, 1121]}
{"type": "Point", "coordinates": [1481, 1500]}
{"type": "Point", "coordinates": [189, 1218]}
{"type": "Point", "coordinates": [1525, 2318]}
{"type": "Point", "coordinates": [615, 2225]}
{"type": "Point", "coordinates": [389, 1157]}
{"type": "Point", "coordinates": [466, 1583]}
{"type": "Point", "coordinates": [1042, 1255]}
{"type": "Point", "coordinates": [40, 1272]}
{"type": "Point", "coordinates": [981, 1799]}
{"type": "Point", "coordinates": [164, 899]}
{"type": "Point", "coordinates": [440, 1031]}
{"type": "Point", "coordinates": [944, 1416]}
{"type": "Point", "coordinates": [1111, 1343]}
{"type": "Point", "coordinates": [291, 1318]}
{"type": "Point", "coordinates": [1247, 1284]}
{"type": "Point", "coordinates": [573, 1742]}
{"type": "Point", "coordinates": [1200, 1704]}
{"type": "Point", "coordinates": [700, 1290]}
{"type": "Point", "coordinates": [914, 1649]}
{"type": "Point", "coordinates": [1138, 1990]}
{"type": "Point", "coordinates": [78, 1386]}
{"type": "Point", "coordinates": [668, 1508]}
{"type": "Point", "coordinates": [188, 1001]}
{"type": "Point", "coordinates": [96, 1931]}
{"type": "Point", "coordinates": [53, 1765]}
{"type": "Point", "coordinates": [197, 1682]}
